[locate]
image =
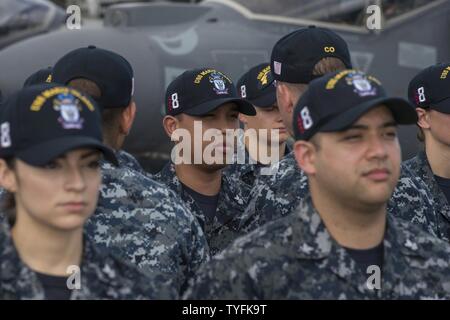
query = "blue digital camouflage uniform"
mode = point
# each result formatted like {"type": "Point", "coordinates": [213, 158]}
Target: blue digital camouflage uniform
{"type": "Point", "coordinates": [144, 222]}
{"type": "Point", "coordinates": [432, 210]}
{"type": "Point", "coordinates": [3, 221]}
{"type": "Point", "coordinates": [244, 169]}
{"type": "Point", "coordinates": [276, 195]}
{"type": "Point", "coordinates": [295, 257]}
{"type": "Point", "coordinates": [247, 172]}
{"type": "Point", "coordinates": [126, 159]}
{"type": "Point", "coordinates": [223, 228]}
{"type": "Point", "coordinates": [102, 276]}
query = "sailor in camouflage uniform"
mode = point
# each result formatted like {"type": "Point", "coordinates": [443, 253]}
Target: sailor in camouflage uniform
{"type": "Point", "coordinates": [201, 101]}
{"type": "Point", "coordinates": [136, 218]}
{"type": "Point", "coordinates": [127, 160]}
{"type": "Point", "coordinates": [292, 69]}
{"type": "Point", "coordinates": [39, 77]}
{"type": "Point", "coordinates": [339, 243]}
{"type": "Point", "coordinates": [413, 201]}
{"type": "Point", "coordinates": [262, 132]}
{"type": "Point", "coordinates": [146, 223]}
{"type": "Point", "coordinates": [429, 91]}
{"type": "Point", "coordinates": [102, 276]}
{"type": "Point", "coordinates": [50, 152]}
{"type": "Point", "coordinates": [273, 196]}
{"type": "Point", "coordinates": [295, 257]}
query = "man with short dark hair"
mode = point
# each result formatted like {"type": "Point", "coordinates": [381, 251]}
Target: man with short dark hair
{"type": "Point", "coordinates": [339, 243]}
{"type": "Point", "coordinates": [138, 218]}
{"type": "Point", "coordinates": [204, 103]}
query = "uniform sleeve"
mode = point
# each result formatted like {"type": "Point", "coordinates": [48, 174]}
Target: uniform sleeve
{"type": "Point", "coordinates": [412, 202]}
{"type": "Point", "coordinates": [223, 278]}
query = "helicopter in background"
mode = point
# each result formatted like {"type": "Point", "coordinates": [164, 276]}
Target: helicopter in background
{"type": "Point", "coordinates": [21, 19]}
{"type": "Point", "coordinates": [161, 40]}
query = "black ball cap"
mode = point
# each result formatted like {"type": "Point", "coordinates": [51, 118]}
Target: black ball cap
{"type": "Point", "coordinates": [41, 122]}
{"type": "Point", "coordinates": [41, 76]}
{"type": "Point", "coordinates": [111, 72]}
{"type": "Point", "coordinates": [257, 86]}
{"type": "Point", "coordinates": [431, 88]}
{"type": "Point", "coordinates": [199, 91]}
{"type": "Point", "coordinates": [295, 55]}
{"type": "Point", "coordinates": [337, 100]}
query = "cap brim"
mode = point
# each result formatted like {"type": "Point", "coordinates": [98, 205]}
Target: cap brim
{"type": "Point", "coordinates": [45, 152]}
{"type": "Point", "coordinates": [442, 106]}
{"type": "Point", "coordinates": [402, 110]}
{"type": "Point", "coordinates": [264, 101]}
{"type": "Point", "coordinates": [244, 106]}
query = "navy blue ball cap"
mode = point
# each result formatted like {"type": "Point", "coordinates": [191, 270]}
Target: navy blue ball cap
{"type": "Point", "coordinates": [41, 76]}
{"type": "Point", "coordinates": [111, 72]}
{"type": "Point", "coordinates": [337, 100]}
{"type": "Point", "coordinates": [257, 86]}
{"type": "Point", "coordinates": [41, 122]}
{"type": "Point", "coordinates": [295, 55]}
{"type": "Point", "coordinates": [430, 88]}
{"type": "Point", "coordinates": [199, 91]}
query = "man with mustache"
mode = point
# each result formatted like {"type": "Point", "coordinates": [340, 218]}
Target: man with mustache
{"type": "Point", "coordinates": [198, 102]}
{"type": "Point", "coordinates": [339, 243]}
{"type": "Point", "coordinates": [258, 151]}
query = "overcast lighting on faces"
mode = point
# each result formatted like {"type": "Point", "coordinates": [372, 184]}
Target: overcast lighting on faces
{"type": "Point", "coordinates": [69, 184]}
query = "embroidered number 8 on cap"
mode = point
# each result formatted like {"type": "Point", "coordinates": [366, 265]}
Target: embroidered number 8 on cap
{"type": "Point", "coordinates": [175, 103]}
{"type": "Point", "coordinates": [5, 135]}
{"type": "Point", "coordinates": [306, 117]}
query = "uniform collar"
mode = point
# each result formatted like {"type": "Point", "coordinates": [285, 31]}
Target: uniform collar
{"type": "Point", "coordinates": [21, 282]}
{"type": "Point", "coordinates": [313, 242]}
{"type": "Point", "coordinates": [230, 202]}
{"type": "Point", "coordinates": [17, 281]}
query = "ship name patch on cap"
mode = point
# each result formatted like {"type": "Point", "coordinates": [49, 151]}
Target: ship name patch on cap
{"type": "Point", "coordinates": [333, 81]}
{"type": "Point", "coordinates": [206, 72]}
{"type": "Point", "coordinates": [360, 82]}
{"type": "Point", "coordinates": [217, 79]}
{"type": "Point", "coordinates": [39, 101]}
{"type": "Point", "coordinates": [263, 75]}
{"type": "Point", "coordinates": [362, 85]}
{"type": "Point", "coordinates": [69, 108]}
{"type": "Point", "coordinates": [445, 73]}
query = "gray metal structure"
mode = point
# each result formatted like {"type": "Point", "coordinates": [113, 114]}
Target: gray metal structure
{"type": "Point", "coordinates": [163, 39]}
{"type": "Point", "coordinates": [21, 19]}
